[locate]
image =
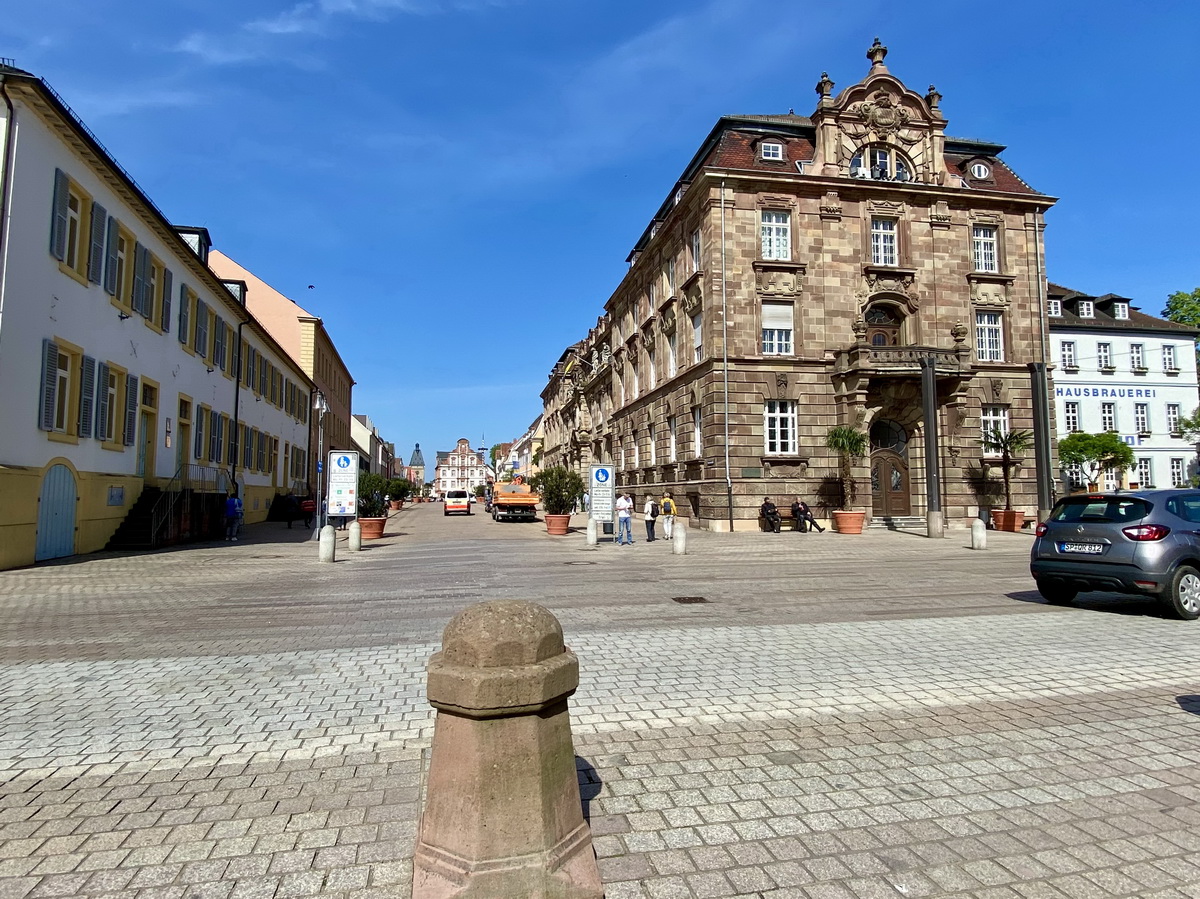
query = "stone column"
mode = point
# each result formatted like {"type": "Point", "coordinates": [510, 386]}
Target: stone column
{"type": "Point", "coordinates": [502, 817]}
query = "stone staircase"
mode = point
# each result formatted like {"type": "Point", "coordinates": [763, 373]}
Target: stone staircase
{"type": "Point", "coordinates": [135, 531]}
{"type": "Point", "coordinates": [898, 523]}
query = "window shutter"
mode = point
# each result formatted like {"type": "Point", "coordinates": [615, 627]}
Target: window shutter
{"type": "Point", "coordinates": [102, 402]}
{"type": "Point", "coordinates": [777, 316]}
{"type": "Point", "coordinates": [167, 290]}
{"type": "Point", "coordinates": [183, 314]}
{"type": "Point", "coordinates": [139, 279]}
{"type": "Point", "coordinates": [49, 384]}
{"type": "Point", "coordinates": [199, 448]}
{"type": "Point", "coordinates": [219, 342]}
{"type": "Point", "coordinates": [110, 261]}
{"type": "Point", "coordinates": [96, 256]}
{"type": "Point", "coordinates": [214, 436]}
{"type": "Point", "coordinates": [87, 396]}
{"type": "Point", "coordinates": [131, 409]}
{"type": "Point", "coordinates": [200, 344]}
{"type": "Point", "coordinates": [58, 223]}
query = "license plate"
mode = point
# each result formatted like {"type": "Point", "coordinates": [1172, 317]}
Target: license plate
{"type": "Point", "coordinates": [1088, 548]}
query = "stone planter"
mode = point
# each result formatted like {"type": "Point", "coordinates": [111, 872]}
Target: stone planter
{"type": "Point", "coordinates": [372, 528]}
{"type": "Point", "coordinates": [557, 525]}
{"type": "Point", "coordinates": [397, 505]}
{"type": "Point", "coordinates": [848, 522]}
{"type": "Point", "coordinates": [1008, 519]}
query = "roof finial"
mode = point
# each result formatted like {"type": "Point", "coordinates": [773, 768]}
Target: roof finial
{"type": "Point", "coordinates": [876, 54]}
{"type": "Point", "coordinates": [824, 88]}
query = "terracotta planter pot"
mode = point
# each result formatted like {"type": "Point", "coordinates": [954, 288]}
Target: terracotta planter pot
{"type": "Point", "coordinates": [397, 505]}
{"type": "Point", "coordinates": [1008, 519]}
{"type": "Point", "coordinates": [557, 524]}
{"type": "Point", "coordinates": [848, 522]}
{"type": "Point", "coordinates": [372, 528]}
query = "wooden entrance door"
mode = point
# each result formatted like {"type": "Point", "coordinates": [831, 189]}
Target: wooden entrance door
{"type": "Point", "coordinates": [889, 484]}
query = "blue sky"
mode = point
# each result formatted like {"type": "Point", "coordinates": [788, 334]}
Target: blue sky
{"type": "Point", "coordinates": [473, 173]}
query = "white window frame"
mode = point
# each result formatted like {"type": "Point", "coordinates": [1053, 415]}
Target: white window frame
{"type": "Point", "coordinates": [779, 428]}
{"type": "Point", "coordinates": [1168, 356]}
{"type": "Point", "coordinates": [777, 341]}
{"type": "Point", "coordinates": [1087, 309]}
{"type": "Point", "coordinates": [1104, 356]}
{"type": "Point", "coordinates": [771, 150]}
{"type": "Point", "coordinates": [1071, 417]}
{"type": "Point", "coordinates": [62, 393]}
{"type": "Point", "coordinates": [651, 370]}
{"type": "Point", "coordinates": [985, 247]}
{"type": "Point", "coordinates": [990, 418]}
{"type": "Point", "coordinates": [694, 246]}
{"type": "Point", "coordinates": [697, 432]}
{"type": "Point", "coordinates": [1121, 311]}
{"type": "Point", "coordinates": [1073, 475]}
{"type": "Point", "coordinates": [884, 243]}
{"type": "Point", "coordinates": [672, 448]}
{"type": "Point", "coordinates": [776, 241]}
{"type": "Point", "coordinates": [1108, 416]}
{"type": "Point", "coordinates": [1145, 471]}
{"type": "Point", "coordinates": [672, 362]}
{"type": "Point", "coordinates": [1141, 418]}
{"type": "Point", "coordinates": [1173, 418]}
{"type": "Point", "coordinates": [1178, 472]}
{"type": "Point", "coordinates": [652, 437]}
{"type": "Point", "coordinates": [989, 336]}
{"type": "Point", "coordinates": [1137, 357]}
{"type": "Point", "coordinates": [1054, 308]}
{"type": "Point", "coordinates": [1066, 354]}
{"type": "Point", "coordinates": [697, 337]}
{"type": "Point", "coordinates": [637, 451]}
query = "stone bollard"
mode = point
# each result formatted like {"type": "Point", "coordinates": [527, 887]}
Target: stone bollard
{"type": "Point", "coordinates": [679, 539]}
{"type": "Point", "coordinates": [354, 536]}
{"type": "Point", "coordinates": [978, 534]}
{"type": "Point", "coordinates": [502, 817]}
{"type": "Point", "coordinates": [325, 549]}
{"type": "Point", "coordinates": [591, 532]}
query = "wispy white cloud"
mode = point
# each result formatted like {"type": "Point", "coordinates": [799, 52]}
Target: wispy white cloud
{"type": "Point", "coordinates": [108, 104]}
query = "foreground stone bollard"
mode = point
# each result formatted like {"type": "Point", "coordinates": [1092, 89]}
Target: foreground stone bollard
{"type": "Point", "coordinates": [502, 816]}
{"type": "Point", "coordinates": [679, 539]}
{"type": "Point", "coordinates": [325, 549]}
{"type": "Point", "coordinates": [591, 532]}
{"type": "Point", "coordinates": [354, 536]}
{"type": "Point", "coordinates": [978, 534]}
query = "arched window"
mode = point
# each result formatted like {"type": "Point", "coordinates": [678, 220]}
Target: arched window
{"type": "Point", "coordinates": [880, 162]}
{"type": "Point", "coordinates": [884, 324]}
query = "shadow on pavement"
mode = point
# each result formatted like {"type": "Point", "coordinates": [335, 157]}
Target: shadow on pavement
{"type": "Point", "coordinates": [1107, 603]}
{"type": "Point", "coordinates": [1189, 702]}
{"type": "Point", "coordinates": [589, 785]}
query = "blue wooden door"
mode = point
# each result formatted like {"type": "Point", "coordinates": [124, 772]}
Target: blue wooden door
{"type": "Point", "coordinates": [56, 515]}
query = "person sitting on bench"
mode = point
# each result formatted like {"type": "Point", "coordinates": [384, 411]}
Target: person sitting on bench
{"type": "Point", "coordinates": [770, 514]}
{"type": "Point", "coordinates": [804, 516]}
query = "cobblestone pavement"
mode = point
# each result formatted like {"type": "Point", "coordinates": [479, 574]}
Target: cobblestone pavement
{"type": "Point", "coordinates": [855, 717]}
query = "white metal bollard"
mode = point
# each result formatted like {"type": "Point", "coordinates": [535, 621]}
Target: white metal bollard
{"type": "Point", "coordinates": [978, 534]}
{"type": "Point", "coordinates": [591, 532]}
{"type": "Point", "coordinates": [354, 536]}
{"type": "Point", "coordinates": [679, 538]}
{"type": "Point", "coordinates": [326, 552]}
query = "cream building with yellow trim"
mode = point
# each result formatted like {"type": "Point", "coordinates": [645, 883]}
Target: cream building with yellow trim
{"type": "Point", "coordinates": [135, 386]}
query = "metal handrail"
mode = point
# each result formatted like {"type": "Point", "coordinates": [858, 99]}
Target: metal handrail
{"type": "Point", "coordinates": [188, 477]}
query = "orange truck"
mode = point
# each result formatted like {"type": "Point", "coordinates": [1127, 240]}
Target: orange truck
{"type": "Point", "coordinates": [514, 502]}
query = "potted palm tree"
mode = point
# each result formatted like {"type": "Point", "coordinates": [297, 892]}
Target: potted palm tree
{"type": "Point", "coordinates": [849, 443]}
{"type": "Point", "coordinates": [1008, 445]}
{"type": "Point", "coordinates": [560, 488]}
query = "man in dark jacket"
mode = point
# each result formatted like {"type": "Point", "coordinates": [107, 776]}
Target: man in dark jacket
{"type": "Point", "coordinates": [770, 514]}
{"type": "Point", "coordinates": [804, 517]}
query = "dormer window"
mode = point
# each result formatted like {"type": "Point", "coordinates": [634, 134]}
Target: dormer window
{"type": "Point", "coordinates": [1087, 309]}
{"type": "Point", "coordinates": [1121, 311]}
{"type": "Point", "coordinates": [773, 151]}
{"type": "Point", "coordinates": [880, 163]}
{"type": "Point", "coordinates": [1054, 308]}
{"type": "Point", "coordinates": [980, 171]}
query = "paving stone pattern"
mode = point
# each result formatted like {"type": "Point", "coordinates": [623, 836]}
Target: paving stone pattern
{"type": "Point", "coordinates": [876, 717]}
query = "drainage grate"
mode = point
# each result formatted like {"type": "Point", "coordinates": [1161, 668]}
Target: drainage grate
{"type": "Point", "coordinates": [688, 599]}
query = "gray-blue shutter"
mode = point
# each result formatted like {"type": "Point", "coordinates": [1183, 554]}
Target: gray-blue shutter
{"type": "Point", "coordinates": [140, 256]}
{"type": "Point", "coordinates": [199, 448]}
{"type": "Point", "coordinates": [102, 402]}
{"type": "Point", "coordinates": [87, 396]}
{"type": "Point", "coordinates": [58, 215]}
{"type": "Point", "coordinates": [219, 342]}
{"type": "Point", "coordinates": [110, 262]}
{"type": "Point", "coordinates": [183, 314]}
{"type": "Point", "coordinates": [167, 289]}
{"type": "Point", "coordinates": [49, 384]}
{"type": "Point", "coordinates": [214, 436]}
{"type": "Point", "coordinates": [96, 255]}
{"type": "Point", "coordinates": [131, 409]}
{"type": "Point", "coordinates": [200, 344]}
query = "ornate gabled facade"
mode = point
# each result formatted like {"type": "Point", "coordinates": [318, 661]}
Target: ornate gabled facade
{"type": "Point", "coordinates": [798, 276]}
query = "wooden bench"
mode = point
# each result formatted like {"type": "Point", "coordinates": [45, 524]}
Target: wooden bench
{"type": "Point", "coordinates": [785, 520]}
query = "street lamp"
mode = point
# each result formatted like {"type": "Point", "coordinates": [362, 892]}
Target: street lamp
{"type": "Point", "coordinates": [320, 407]}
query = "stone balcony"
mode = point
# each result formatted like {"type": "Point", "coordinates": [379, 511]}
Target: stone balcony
{"type": "Point", "coordinates": [901, 361]}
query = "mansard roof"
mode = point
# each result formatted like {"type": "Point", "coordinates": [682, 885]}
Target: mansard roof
{"type": "Point", "coordinates": [1103, 318]}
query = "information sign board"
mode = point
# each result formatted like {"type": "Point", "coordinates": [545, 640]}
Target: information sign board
{"type": "Point", "coordinates": [343, 484]}
{"type": "Point", "coordinates": [602, 492]}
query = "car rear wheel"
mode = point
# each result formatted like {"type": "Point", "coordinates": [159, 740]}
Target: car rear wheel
{"type": "Point", "coordinates": [1057, 594]}
{"type": "Point", "coordinates": [1183, 593]}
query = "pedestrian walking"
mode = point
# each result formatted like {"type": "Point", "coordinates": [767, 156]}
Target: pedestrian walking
{"type": "Point", "coordinates": [804, 517]}
{"type": "Point", "coordinates": [650, 513]}
{"type": "Point", "coordinates": [587, 501]}
{"type": "Point", "coordinates": [233, 516]}
{"type": "Point", "coordinates": [624, 507]}
{"type": "Point", "coordinates": [770, 514]}
{"type": "Point", "coordinates": [308, 508]}
{"type": "Point", "coordinates": [666, 513]}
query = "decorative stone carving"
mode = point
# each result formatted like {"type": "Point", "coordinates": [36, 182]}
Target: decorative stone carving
{"type": "Point", "coordinates": [831, 207]}
{"type": "Point", "coordinates": [778, 278]}
{"type": "Point", "coordinates": [988, 294]}
{"type": "Point", "coordinates": [781, 385]}
{"type": "Point", "coordinates": [860, 330]}
{"type": "Point", "coordinates": [691, 302]}
{"type": "Point", "coordinates": [885, 280]}
{"type": "Point", "coordinates": [882, 114]}
{"type": "Point", "coordinates": [605, 354]}
{"type": "Point", "coordinates": [668, 320]}
{"type": "Point", "coordinates": [959, 332]}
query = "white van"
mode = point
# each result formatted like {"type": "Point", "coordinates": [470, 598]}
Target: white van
{"type": "Point", "coordinates": [457, 501]}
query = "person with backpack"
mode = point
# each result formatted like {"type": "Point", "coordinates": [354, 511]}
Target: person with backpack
{"type": "Point", "coordinates": [651, 514]}
{"type": "Point", "coordinates": [666, 511]}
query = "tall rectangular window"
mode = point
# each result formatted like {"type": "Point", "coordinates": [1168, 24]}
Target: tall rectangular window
{"type": "Point", "coordinates": [776, 235]}
{"type": "Point", "coordinates": [1177, 475]}
{"type": "Point", "coordinates": [993, 417]}
{"type": "Point", "coordinates": [651, 370]}
{"type": "Point", "coordinates": [983, 244]}
{"type": "Point", "coordinates": [62, 393]}
{"type": "Point", "coordinates": [671, 275]}
{"type": "Point", "coordinates": [637, 451]}
{"type": "Point", "coordinates": [1141, 418]}
{"type": "Point", "coordinates": [883, 241]}
{"type": "Point", "coordinates": [1137, 357]}
{"type": "Point", "coordinates": [694, 254]}
{"type": "Point", "coordinates": [652, 437]}
{"type": "Point", "coordinates": [1104, 356]}
{"type": "Point", "coordinates": [989, 337]}
{"type": "Point", "coordinates": [1172, 418]}
{"type": "Point", "coordinates": [779, 427]}
{"type": "Point", "coordinates": [672, 423]}
{"type": "Point", "coordinates": [672, 349]}
{"type": "Point", "coordinates": [777, 329]}
{"type": "Point", "coordinates": [1169, 358]}
{"type": "Point", "coordinates": [1071, 417]}
{"type": "Point", "coordinates": [697, 339]}
{"type": "Point", "coordinates": [1073, 475]}
{"type": "Point", "coordinates": [1145, 472]}
{"type": "Point", "coordinates": [697, 434]}
{"type": "Point", "coordinates": [1108, 416]}
{"type": "Point", "coordinates": [1066, 354]}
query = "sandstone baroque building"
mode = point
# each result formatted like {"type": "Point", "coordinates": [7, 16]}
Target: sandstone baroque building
{"type": "Point", "coordinates": [793, 280]}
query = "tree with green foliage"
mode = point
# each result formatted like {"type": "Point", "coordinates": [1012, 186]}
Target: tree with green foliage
{"type": "Point", "coordinates": [1008, 445]}
{"type": "Point", "coordinates": [493, 453]}
{"type": "Point", "coordinates": [560, 489]}
{"type": "Point", "coordinates": [1096, 453]}
{"type": "Point", "coordinates": [849, 443]}
{"type": "Point", "coordinates": [1184, 307]}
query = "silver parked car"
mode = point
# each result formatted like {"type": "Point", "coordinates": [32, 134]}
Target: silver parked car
{"type": "Point", "coordinates": [1144, 542]}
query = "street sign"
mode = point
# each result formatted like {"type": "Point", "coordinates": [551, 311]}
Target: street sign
{"type": "Point", "coordinates": [343, 484]}
{"type": "Point", "coordinates": [602, 492]}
